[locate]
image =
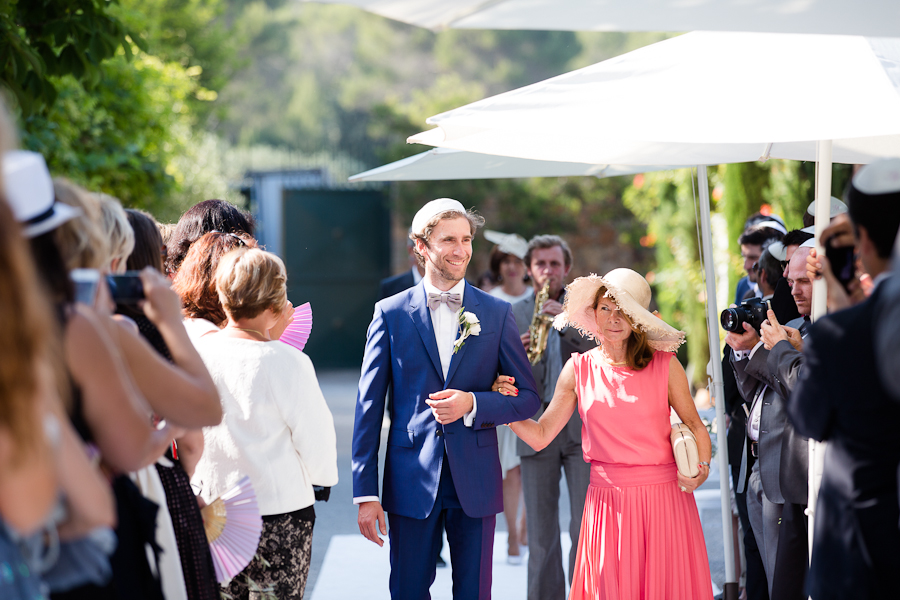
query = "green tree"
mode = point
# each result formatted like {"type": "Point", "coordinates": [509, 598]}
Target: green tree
{"type": "Point", "coordinates": [665, 202]}
{"type": "Point", "coordinates": [122, 138]}
{"type": "Point", "coordinates": [44, 39]}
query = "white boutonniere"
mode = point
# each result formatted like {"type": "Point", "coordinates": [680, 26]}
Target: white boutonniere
{"type": "Point", "coordinates": [468, 325]}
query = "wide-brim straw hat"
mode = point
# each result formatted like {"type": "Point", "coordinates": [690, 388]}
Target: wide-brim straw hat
{"type": "Point", "coordinates": [631, 292]}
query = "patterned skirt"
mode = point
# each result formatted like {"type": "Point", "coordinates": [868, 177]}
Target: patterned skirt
{"type": "Point", "coordinates": [286, 545]}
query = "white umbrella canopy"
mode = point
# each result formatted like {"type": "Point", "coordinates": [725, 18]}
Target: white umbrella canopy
{"type": "Point", "coordinates": [701, 98]}
{"type": "Point", "coordinates": [860, 17]}
{"type": "Point", "coordinates": [444, 164]}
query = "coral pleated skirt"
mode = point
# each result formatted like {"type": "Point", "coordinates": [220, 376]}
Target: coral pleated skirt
{"type": "Point", "coordinates": [640, 539]}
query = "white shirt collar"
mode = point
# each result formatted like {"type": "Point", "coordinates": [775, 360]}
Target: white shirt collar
{"type": "Point", "coordinates": [417, 277]}
{"type": "Point", "coordinates": [459, 288]}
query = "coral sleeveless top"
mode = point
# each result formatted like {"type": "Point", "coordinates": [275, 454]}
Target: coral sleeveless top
{"type": "Point", "coordinates": [625, 412]}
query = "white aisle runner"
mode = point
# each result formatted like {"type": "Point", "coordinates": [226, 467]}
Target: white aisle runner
{"type": "Point", "coordinates": [354, 567]}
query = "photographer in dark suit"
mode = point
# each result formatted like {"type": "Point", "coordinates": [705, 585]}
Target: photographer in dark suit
{"type": "Point", "coordinates": [770, 491]}
{"type": "Point", "coordinates": [840, 399]}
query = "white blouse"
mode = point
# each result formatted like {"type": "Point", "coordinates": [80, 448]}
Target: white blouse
{"type": "Point", "coordinates": [276, 427]}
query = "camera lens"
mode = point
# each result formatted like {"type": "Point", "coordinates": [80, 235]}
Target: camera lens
{"type": "Point", "coordinates": [730, 320]}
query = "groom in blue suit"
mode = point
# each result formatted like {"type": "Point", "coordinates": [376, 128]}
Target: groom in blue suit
{"type": "Point", "coordinates": [442, 464]}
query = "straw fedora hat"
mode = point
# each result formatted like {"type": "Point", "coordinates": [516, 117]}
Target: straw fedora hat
{"type": "Point", "coordinates": [631, 292]}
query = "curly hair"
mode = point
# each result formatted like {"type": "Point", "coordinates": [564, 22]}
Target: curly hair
{"type": "Point", "coordinates": [195, 281]}
{"type": "Point", "coordinates": [203, 217]}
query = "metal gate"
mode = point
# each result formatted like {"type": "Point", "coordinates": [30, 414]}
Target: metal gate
{"type": "Point", "coordinates": [336, 250]}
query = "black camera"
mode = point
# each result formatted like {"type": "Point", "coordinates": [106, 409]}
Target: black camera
{"type": "Point", "coordinates": [752, 311]}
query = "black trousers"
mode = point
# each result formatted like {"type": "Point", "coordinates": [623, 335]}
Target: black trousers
{"type": "Point", "coordinates": [792, 555]}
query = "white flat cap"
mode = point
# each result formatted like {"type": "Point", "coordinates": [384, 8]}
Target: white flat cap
{"type": "Point", "coordinates": [778, 251]}
{"type": "Point", "coordinates": [432, 209]}
{"type": "Point", "coordinates": [837, 208]}
{"type": "Point", "coordinates": [881, 176]}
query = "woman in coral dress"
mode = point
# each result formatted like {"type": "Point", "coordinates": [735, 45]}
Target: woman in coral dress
{"type": "Point", "coordinates": [640, 537]}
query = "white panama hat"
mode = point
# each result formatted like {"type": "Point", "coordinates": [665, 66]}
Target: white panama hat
{"type": "Point", "coordinates": [29, 192]}
{"type": "Point", "coordinates": [509, 243]}
{"type": "Point", "coordinates": [631, 292]}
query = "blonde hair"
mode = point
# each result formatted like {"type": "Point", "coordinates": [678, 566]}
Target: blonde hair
{"type": "Point", "coordinates": [118, 230]}
{"type": "Point", "coordinates": [250, 281]}
{"type": "Point", "coordinates": [81, 240]}
{"type": "Point", "coordinates": [166, 230]}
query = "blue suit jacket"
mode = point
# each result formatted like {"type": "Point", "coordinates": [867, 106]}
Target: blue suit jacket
{"type": "Point", "coordinates": [401, 351]}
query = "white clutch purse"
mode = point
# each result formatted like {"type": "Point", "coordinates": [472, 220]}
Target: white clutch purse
{"type": "Point", "coordinates": [684, 446]}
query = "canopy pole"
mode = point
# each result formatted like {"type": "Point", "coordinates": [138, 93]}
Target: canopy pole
{"type": "Point", "coordinates": [730, 591]}
{"type": "Point", "coordinates": [819, 309]}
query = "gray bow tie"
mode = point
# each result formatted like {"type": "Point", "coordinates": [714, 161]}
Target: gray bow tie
{"type": "Point", "coordinates": [453, 301]}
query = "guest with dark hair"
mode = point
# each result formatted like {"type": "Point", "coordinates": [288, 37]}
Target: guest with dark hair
{"type": "Point", "coordinates": [203, 217]}
{"type": "Point", "coordinates": [149, 249]}
{"type": "Point", "coordinates": [758, 234]}
{"type": "Point", "coordinates": [508, 266]}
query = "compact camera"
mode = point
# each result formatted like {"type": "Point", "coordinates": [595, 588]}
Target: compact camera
{"type": "Point", "coordinates": [752, 311]}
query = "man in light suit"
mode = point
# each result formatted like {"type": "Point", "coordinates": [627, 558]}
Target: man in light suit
{"type": "Point", "coordinates": [442, 465]}
{"type": "Point", "coordinates": [839, 398]}
{"type": "Point", "coordinates": [549, 259]}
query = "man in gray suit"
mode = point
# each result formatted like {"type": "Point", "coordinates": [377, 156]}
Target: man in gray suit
{"type": "Point", "coordinates": [777, 491]}
{"type": "Point", "coordinates": [549, 259]}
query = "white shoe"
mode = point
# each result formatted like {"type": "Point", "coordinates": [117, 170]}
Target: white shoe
{"type": "Point", "coordinates": [514, 559]}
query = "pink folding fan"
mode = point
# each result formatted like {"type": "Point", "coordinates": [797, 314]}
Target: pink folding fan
{"type": "Point", "coordinates": [297, 333]}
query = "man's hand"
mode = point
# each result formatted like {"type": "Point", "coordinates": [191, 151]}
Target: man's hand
{"type": "Point", "coordinates": [742, 341]}
{"type": "Point", "coordinates": [371, 521]}
{"type": "Point", "coordinates": [449, 405]}
{"type": "Point", "coordinates": [772, 331]}
{"type": "Point", "coordinates": [526, 339]}
{"type": "Point", "coordinates": [552, 308]}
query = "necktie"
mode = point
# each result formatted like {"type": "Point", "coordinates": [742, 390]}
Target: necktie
{"type": "Point", "coordinates": [453, 301]}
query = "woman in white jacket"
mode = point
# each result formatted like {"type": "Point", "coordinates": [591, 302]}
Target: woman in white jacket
{"type": "Point", "coordinates": [276, 427]}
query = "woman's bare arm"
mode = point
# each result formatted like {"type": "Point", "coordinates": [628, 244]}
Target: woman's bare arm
{"type": "Point", "coordinates": [680, 399]}
{"type": "Point", "coordinates": [87, 493]}
{"type": "Point", "coordinates": [190, 449]}
{"type": "Point", "coordinates": [182, 393]}
{"type": "Point", "coordinates": [538, 434]}
{"type": "Point", "coordinates": [114, 409]}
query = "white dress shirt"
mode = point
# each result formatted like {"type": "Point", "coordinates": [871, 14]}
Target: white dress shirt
{"type": "Point", "coordinates": [446, 329]}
